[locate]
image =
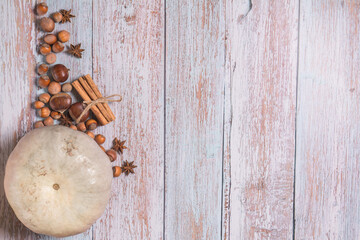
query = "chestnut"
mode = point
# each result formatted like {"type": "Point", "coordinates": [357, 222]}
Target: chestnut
{"type": "Point", "coordinates": [60, 102]}
{"type": "Point", "coordinates": [75, 111]}
{"type": "Point", "coordinates": [50, 58]}
{"type": "Point", "coordinates": [42, 69]}
{"type": "Point", "coordinates": [50, 39]}
{"type": "Point", "coordinates": [63, 36]}
{"type": "Point", "coordinates": [112, 155]}
{"type": "Point", "coordinates": [41, 9]}
{"type": "Point", "coordinates": [47, 24]}
{"type": "Point", "coordinates": [60, 73]}
{"type": "Point", "coordinates": [58, 47]}
{"type": "Point", "coordinates": [57, 17]}
{"type": "Point", "coordinates": [44, 49]}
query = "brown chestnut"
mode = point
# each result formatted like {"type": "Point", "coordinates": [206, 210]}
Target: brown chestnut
{"type": "Point", "coordinates": [50, 58]}
{"type": "Point", "coordinates": [44, 97]}
{"type": "Point", "coordinates": [42, 69]}
{"type": "Point", "coordinates": [41, 9]}
{"type": "Point", "coordinates": [60, 102]}
{"type": "Point", "coordinates": [112, 155]}
{"type": "Point", "coordinates": [58, 47]}
{"type": "Point", "coordinates": [75, 111]}
{"type": "Point", "coordinates": [47, 24]}
{"type": "Point", "coordinates": [60, 73]}
{"type": "Point", "coordinates": [54, 88]}
{"type": "Point", "coordinates": [44, 81]}
{"type": "Point", "coordinates": [44, 49]}
{"type": "Point", "coordinates": [50, 39]}
{"type": "Point", "coordinates": [63, 36]}
{"type": "Point", "coordinates": [57, 17]}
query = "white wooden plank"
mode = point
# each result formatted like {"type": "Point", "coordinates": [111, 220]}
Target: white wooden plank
{"type": "Point", "coordinates": [128, 60]}
{"type": "Point", "coordinates": [260, 136]}
{"type": "Point", "coordinates": [328, 122]}
{"type": "Point", "coordinates": [17, 77]}
{"type": "Point", "coordinates": [194, 118]}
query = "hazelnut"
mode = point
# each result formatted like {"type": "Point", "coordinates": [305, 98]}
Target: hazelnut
{"type": "Point", "coordinates": [73, 127]}
{"type": "Point", "coordinates": [41, 9]}
{"type": "Point", "coordinates": [50, 58]}
{"type": "Point", "coordinates": [58, 47]}
{"type": "Point", "coordinates": [54, 88]}
{"type": "Point", "coordinates": [63, 36]}
{"type": "Point", "coordinates": [50, 39]}
{"type": "Point", "coordinates": [57, 17]}
{"type": "Point", "coordinates": [91, 124]}
{"type": "Point", "coordinates": [38, 104]}
{"type": "Point", "coordinates": [44, 112]}
{"type": "Point", "coordinates": [66, 87]}
{"type": "Point", "coordinates": [112, 155]}
{"type": "Point", "coordinates": [75, 111]}
{"type": "Point", "coordinates": [47, 24]}
{"type": "Point", "coordinates": [90, 134]}
{"type": "Point", "coordinates": [44, 97]}
{"type": "Point", "coordinates": [81, 126]}
{"type": "Point", "coordinates": [44, 81]}
{"type": "Point", "coordinates": [55, 115]}
{"type": "Point", "coordinates": [102, 148]}
{"type": "Point", "coordinates": [44, 49]}
{"type": "Point", "coordinates": [38, 124]}
{"type": "Point", "coordinates": [42, 69]}
{"type": "Point", "coordinates": [48, 121]}
{"type": "Point", "coordinates": [100, 139]}
{"type": "Point", "coordinates": [116, 171]}
{"type": "Point", "coordinates": [60, 73]}
{"type": "Point", "coordinates": [60, 102]}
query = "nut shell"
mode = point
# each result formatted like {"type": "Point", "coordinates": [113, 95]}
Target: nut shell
{"type": "Point", "coordinates": [81, 126]}
{"type": "Point", "coordinates": [112, 155]}
{"type": "Point", "coordinates": [60, 73]}
{"type": "Point", "coordinates": [60, 102]}
{"type": "Point", "coordinates": [47, 24]}
{"type": "Point", "coordinates": [116, 171]}
{"type": "Point", "coordinates": [50, 39]}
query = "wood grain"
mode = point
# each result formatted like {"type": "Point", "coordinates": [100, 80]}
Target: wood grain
{"type": "Point", "coordinates": [128, 59]}
{"type": "Point", "coordinates": [328, 126]}
{"type": "Point", "coordinates": [259, 156]}
{"type": "Point", "coordinates": [194, 119]}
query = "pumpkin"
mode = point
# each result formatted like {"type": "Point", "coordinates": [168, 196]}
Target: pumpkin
{"type": "Point", "coordinates": [58, 181]}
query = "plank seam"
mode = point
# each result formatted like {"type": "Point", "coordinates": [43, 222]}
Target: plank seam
{"type": "Point", "coordinates": [164, 197]}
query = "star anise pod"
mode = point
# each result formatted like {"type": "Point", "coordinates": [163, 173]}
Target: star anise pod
{"type": "Point", "coordinates": [128, 167]}
{"type": "Point", "coordinates": [65, 120]}
{"type": "Point", "coordinates": [75, 50]}
{"type": "Point", "coordinates": [66, 16]}
{"type": "Point", "coordinates": [119, 145]}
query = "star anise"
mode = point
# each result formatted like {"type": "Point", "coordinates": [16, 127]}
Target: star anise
{"type": "Point", "coordinates": [75, 50]}
{"type": "Point", "coordinates": [66, 16]}
{"type": "Point", "coordinates": [65, 120]}
{"type": "Point", "coordinates": [119, 145]}
{"type": "Point", "coordinates": [128, 167]}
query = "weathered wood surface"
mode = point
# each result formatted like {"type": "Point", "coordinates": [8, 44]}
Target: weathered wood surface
{"type": "Point", "coordinates": [327, 202]}
{"type": "Point", "coordinates": [209, 112]}
{"type": "Point", "coordinates": [261, 48]}
{"type": "Point", "coordinates": [194, 119]}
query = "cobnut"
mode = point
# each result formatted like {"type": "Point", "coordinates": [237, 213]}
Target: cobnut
{"type": "Point", "coordinates": [50, 39]}
{"type": "Point", "coordinates": [50, 58]}
{"type": "Point", "coordinates": [60, 73]}
{"type": "Point", "coordinates": [66, 87]}
{"type": "Point", "coordinates": [44, 112]}
{"type": "Point", "coordinates": [112, 155]}
{"type": "Point", "coordinates": [54, 88]}
{"type": "Point", "coordinates": [100, 139]}
{"type": "Point", "coordinates": [44, 97]}
{"type": "Point", "coordinates": [116, 171]}
{"type": "Point", "coordinates": [38, 124]}
{"type": "Point", "coordinates": [57, 17]}
{"type": "Point", "coordinates": [75, 111]}
{"type": "Point", "coordinates": [60, 102]}
{"type": "Point", "coordinates": [38, 104]}
{"type": "Point", "coordinates": [58, 47]}
{"type": "Point", "coordinates": [90, 134]}
{"type": "Point", "coordinates": [41, 9]}
{"type": "Point", "coordinates": [73, 127]}
{"type": "Point", "coordinates": [44, 49]}
{"type": "Point", "coordinates": [91, 124]}
{"type": "Point", "coordinates": [42, 69]}
{"type": "Point", "coordinates": [55, 115]}
{"type": "Point", "coordinates": [44, 81]}
{"type": "Point", "coordinates": [81, 126]}
{"type": "Point", "coordinates": [63, 36]}
{"type": "Point", "coordinates": [47, 24]}
{"type": "Point", "coordinates": [48, 121]}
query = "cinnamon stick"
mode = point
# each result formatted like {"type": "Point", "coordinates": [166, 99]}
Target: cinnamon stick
{"type": "Point", "coordinates": [102, 120]}
{"type": "Point", "coordinates": [93, 86]}
{"type": "Point", "coordinates": [93, 96]}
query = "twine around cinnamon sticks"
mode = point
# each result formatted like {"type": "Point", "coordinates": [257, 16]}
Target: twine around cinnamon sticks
{"type": "Point", "coordinates": [91, 95]}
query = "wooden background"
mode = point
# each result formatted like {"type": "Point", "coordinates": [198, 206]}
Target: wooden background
{"type": "Point", "coordinates": [243, 117]}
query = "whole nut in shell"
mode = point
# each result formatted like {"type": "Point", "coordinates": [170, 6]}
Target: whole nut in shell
{"type": "Point", "coordinates": [57, 17]}
{"type": "Point", "coordinates": [58, 47]}
{"type": "Point", "coordinates": [47, 24]}
{"type": "Point", "coordinates": [54, 88]}
{"type": "Point", "coordinates": [60, 73]}
{"type": "Point", "coordinates": [63, 36]}
{"type": "Point", "coordinates": [60, 102]}
{"type": "Point", "coordinates": [44, 49]}
{"type": "Point", "coordinates": [66, 87]}
{"type": "Point", "coordinates": [41, 9]}
{"type": "Point", "coordinates": [44, 81]}
{"type": "Point", "coordinates": [50, 39]}
{"type": "Point", "coordinates": [42, 69]}
{"type": "Point", "coordinates": [75, 111]}
{"type": "Point", "coordinates": [55, 115]}
{"type": "Point", "coordinates": [50, 58]}
{"type": "Point", "coordinates": [44, 97]}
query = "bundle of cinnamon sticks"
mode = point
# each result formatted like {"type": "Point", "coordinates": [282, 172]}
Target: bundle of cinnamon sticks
{"type": "Point", "coordinates": [88, 91]}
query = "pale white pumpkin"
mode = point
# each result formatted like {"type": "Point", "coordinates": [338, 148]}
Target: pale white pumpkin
{"type": "Point", "coordinates": [58, 181]}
